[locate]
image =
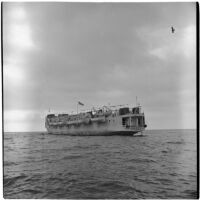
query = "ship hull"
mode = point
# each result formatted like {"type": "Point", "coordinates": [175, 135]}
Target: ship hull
{"type": "Point", "coordinates": [108, 133]}
{"type": "Point", "coordinates": [95, 131]}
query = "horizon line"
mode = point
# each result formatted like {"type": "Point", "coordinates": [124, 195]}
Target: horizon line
{"type": "Point", "coordinates": [145, 130]}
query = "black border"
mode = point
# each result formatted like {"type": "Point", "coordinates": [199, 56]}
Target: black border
{"type": "Point", "coordinates": [197, 92]}
{"type": "Point", "coordinates": [2, 97]}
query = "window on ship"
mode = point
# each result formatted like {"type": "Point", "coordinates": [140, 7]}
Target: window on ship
{"type": "Point", "coordinates": [140, 121]}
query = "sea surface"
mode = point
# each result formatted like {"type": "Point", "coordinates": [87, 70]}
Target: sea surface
{"type": "Point", "coordinates": [159, 164]}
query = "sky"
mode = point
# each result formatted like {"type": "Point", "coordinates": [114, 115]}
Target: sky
{"type": "Point", "coordinates": [56, 54]}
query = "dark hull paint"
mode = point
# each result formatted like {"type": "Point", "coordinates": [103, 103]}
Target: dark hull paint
{"type": "Point", "coordinates": [121, 133]}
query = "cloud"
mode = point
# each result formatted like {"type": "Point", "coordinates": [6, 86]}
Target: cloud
{"type": "Point", "coordinates": [17, 31]}
{"type": "Point", "coordinates": [23, 120]}
{"type": "Point", "coordinates": [14, 75]}
{"type": "Point", "coordinates": [20, 36]}
{"type": "Point", "coordinates": [17, 14]}
{"type": "Point", "coordinates": [160, 52]}
{"type": "Point", "coordinates": [187, 42]}
{"type": "Point", "coordinates": [17, 41]}
{"type": "Point", "coordinates": [180, 43]}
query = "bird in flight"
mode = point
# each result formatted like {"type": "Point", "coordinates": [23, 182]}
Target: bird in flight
{"type": "Point", "coordinates": [173, 29]}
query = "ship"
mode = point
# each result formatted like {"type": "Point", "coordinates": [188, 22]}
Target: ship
{"type": "Point", "coordinates": [107, 120]}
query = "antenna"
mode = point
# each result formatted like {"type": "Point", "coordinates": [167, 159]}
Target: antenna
{"type": "Point", "coordinates": [137, 102]}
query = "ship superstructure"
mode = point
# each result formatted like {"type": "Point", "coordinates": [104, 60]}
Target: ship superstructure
{"type": "Point", "coordinates": [102, 121]}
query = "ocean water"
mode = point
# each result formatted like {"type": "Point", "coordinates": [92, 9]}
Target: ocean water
{"type": "Point", "coordinates": [160, 164]}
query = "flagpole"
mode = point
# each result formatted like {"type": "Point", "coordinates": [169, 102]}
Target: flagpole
{"type": "Point", "coordinates": [79, 103]}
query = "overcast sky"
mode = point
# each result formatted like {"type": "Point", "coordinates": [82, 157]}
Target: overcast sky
{"type": "Point", "coordinates": [56, 54]}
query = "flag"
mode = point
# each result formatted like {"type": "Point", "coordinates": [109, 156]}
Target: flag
{"type": "Point", "coordinates": [79, 103]}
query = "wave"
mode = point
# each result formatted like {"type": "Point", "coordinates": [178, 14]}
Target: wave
{"type": "Point", "coordinates": [191, 193]}
{"type": "Point", "coordinates": [8, 163]}
{"type": "Point", "coordinates": [144, 180]}
{"type": "Point", "coordinates": [140, 136]}
{"type": "Point", "coordinates": [81, 147]}
{"type": "Point", "coordinates": [115, 185]}
{"type": "Point", "coordinates": [32, 191]}
{"type": "Point", "coordinates": [8, 138]}
{"type": "Point", "coordinates": [142, 160]}
{"type": "Point", "coordinates": [164, 181]}
{"type": "Point", "coordinates": [72, 157]}
{"type": "Point", "coordinates": [177, 142]}
{"type": "Point", "coordinates": [10, 181]}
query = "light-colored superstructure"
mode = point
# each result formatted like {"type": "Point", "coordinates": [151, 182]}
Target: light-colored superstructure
{"type": "Point", "coordinates": [104, 121]}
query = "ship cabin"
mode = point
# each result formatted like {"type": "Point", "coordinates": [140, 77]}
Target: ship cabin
{"type": "Point", "coordinates": [132, 118]}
